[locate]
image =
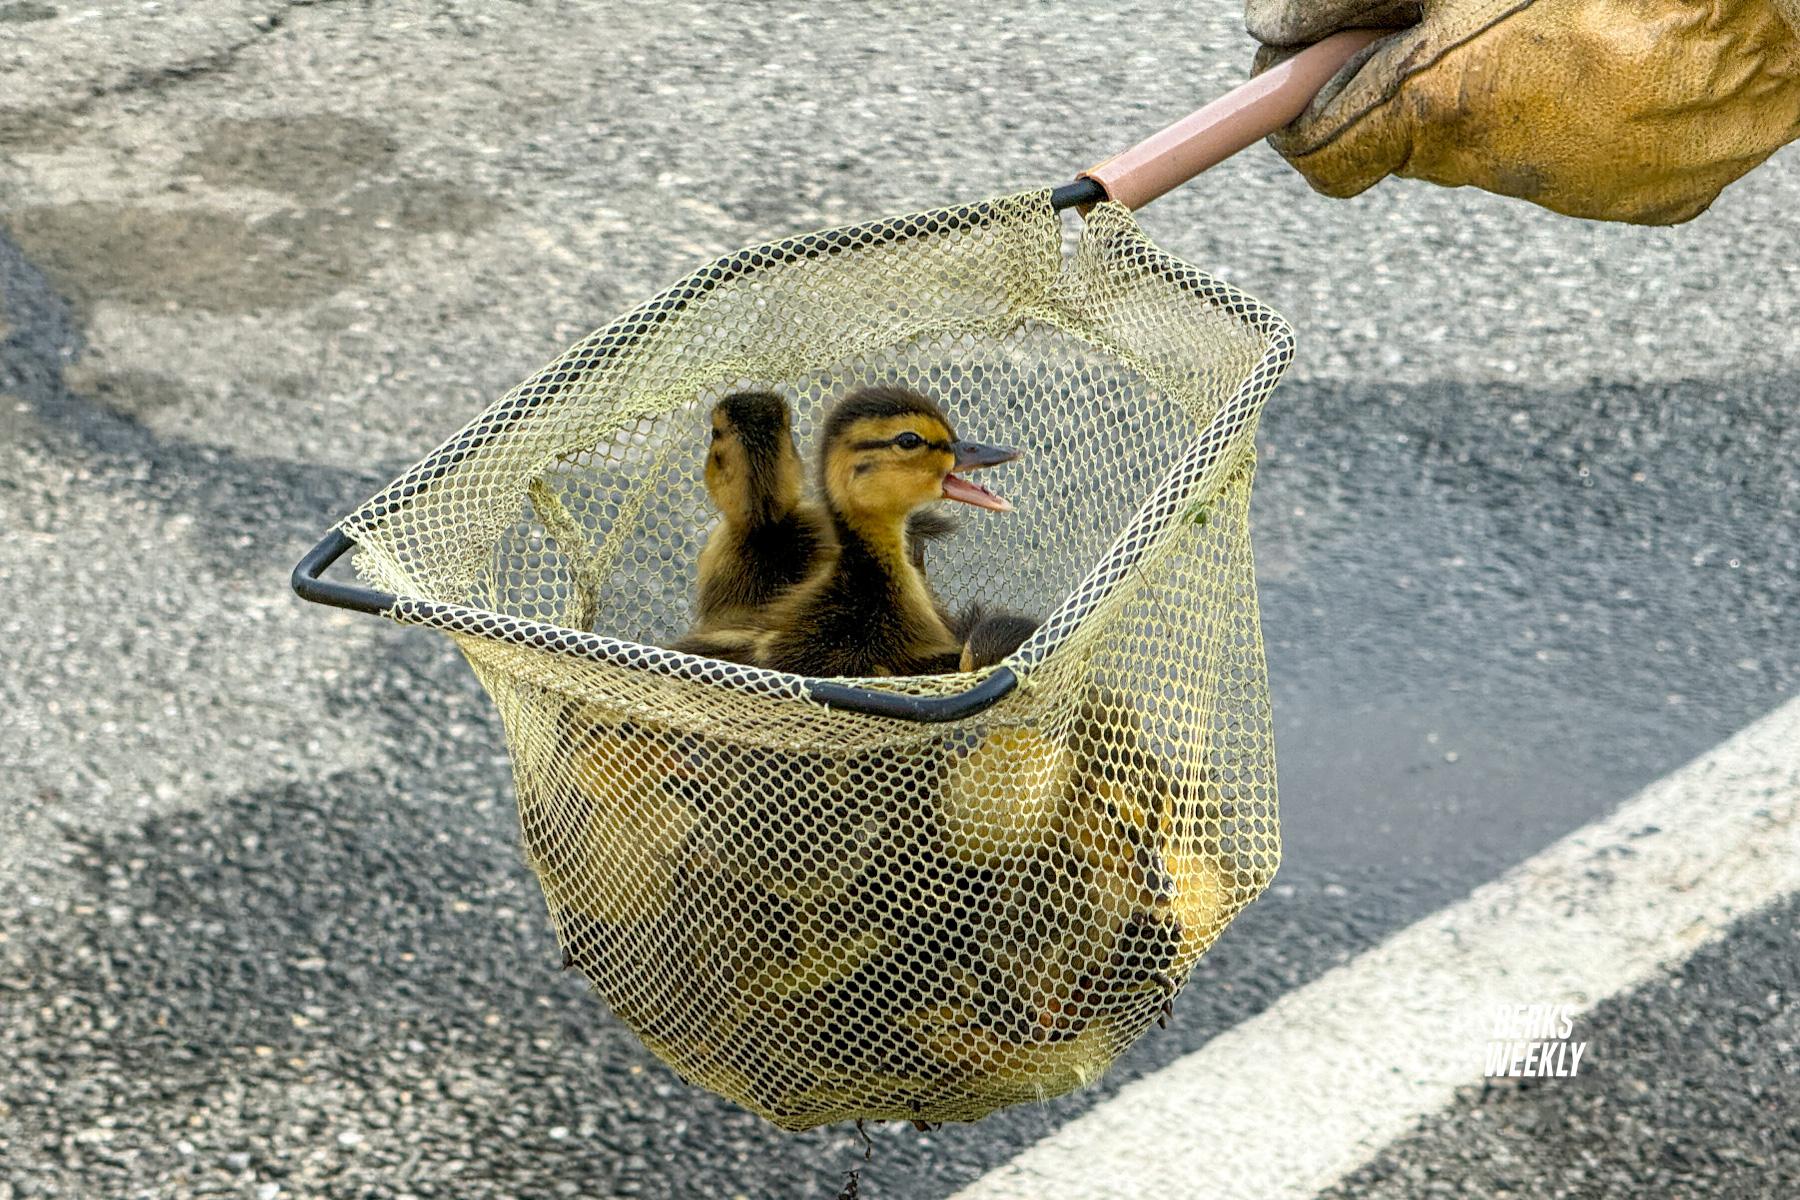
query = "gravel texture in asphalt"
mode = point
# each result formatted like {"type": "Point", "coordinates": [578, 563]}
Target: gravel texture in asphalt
{"type": "Point", "coordinates": [1526, 522]}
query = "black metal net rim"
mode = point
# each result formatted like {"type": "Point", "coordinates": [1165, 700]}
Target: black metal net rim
{"type": "Point", "coordinates": [308, 574]}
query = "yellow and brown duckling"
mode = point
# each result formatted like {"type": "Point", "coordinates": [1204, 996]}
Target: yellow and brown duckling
{"type": "Point", "coordinates": [770, 539]}
{"type": "Point", "coordinates": [886, 453]}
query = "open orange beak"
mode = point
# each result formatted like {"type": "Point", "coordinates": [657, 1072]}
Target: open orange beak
{"type": "Point", "coordinates": [973, 456]}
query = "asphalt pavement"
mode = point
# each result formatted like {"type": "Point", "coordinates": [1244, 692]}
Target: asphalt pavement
{"type": "Point", "coordinates": [1690, 1094]}
{"type": "Point", "coordinates": [1526, 533]}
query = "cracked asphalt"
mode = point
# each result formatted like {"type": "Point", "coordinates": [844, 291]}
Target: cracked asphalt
{"type": "Point", "coordinates": [1526, 522]}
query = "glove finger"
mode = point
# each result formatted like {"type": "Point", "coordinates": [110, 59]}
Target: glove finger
{"type": "Point", "coordinates": [1360, 126]}
{"type": "Point", "coordinates": [1302, 22]}
{"type": "Point", "coordinates": [1376, 75]}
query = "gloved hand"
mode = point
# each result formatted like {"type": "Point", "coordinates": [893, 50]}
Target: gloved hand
{"type": "Point", "coordinates": [1623, 110]}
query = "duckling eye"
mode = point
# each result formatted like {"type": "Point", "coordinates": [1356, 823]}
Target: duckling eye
{"type": "Point", "coordinates": [717, 433]}
{"type": "Point", "coordinates": [909, 441]}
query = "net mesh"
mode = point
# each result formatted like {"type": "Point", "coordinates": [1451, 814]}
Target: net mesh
{"type": "Point", "coordinates": [824, 914]}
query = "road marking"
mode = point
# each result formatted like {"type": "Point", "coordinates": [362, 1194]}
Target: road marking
{"type": "Point", "coordinates": [1287, 1102]}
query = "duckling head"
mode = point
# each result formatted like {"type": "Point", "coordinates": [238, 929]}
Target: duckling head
{"type": "Point", "coordinates": [887, 451]}
{"type": "Point", "coordinates": [752, 469]}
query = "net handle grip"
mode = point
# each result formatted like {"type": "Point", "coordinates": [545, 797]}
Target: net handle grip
{"type": "Point", "coordinates": [1240, 118]}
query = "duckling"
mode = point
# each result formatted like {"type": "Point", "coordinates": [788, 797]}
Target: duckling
{"type": "Point", "coordinates": [886, 452]}
{"type": "Point", "coordinates": [770, 539]}
{"type": "Point", "coordinates": [991, 635]}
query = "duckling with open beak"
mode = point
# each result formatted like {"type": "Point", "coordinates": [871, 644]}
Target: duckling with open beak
{"type": "Point", "coordinates": [769, 539]}
{"type": "Point", "coordinates": [885, 453]}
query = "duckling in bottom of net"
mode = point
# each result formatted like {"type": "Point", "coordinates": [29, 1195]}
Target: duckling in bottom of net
{"type": "Point", "coordinates": [885, 454]}
{"type": "Point", "coordinates": [1140, 833]}
{"type": "Point", "coordinates": [604, 837]}
{"type": "Point", "coordinates": [1089, 807]}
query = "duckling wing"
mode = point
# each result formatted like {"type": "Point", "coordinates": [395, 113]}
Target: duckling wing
{"type": "Point", "coordinates": [738, 645]}
{"type": "Point", "coordinates": [743, 570]}
{"type": "Point", "coordinates": [924, 527]}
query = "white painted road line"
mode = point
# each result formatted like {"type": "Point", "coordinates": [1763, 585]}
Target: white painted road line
{"type": "Point", "coordinates": [1289, 1101]}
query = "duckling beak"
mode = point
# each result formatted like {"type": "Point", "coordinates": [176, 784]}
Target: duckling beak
{"type": "Point", "coordinates": [972, 456]}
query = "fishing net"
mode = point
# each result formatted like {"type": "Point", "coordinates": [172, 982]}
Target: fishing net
{"type": "Point", "coordinates": [826, 914]}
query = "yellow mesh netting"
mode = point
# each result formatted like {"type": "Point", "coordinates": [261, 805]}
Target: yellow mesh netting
{"type": "Point", "coordinates": [824, 914]}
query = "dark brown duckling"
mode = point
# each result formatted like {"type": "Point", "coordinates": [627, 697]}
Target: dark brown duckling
{"type": "Point", "coordinates": [990, 635]}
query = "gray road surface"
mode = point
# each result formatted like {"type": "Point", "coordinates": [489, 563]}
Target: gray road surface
{"type": "Point", "coordinates": [1526, 527]}
{"type": "Point", "coordinates": [1691, 1094]}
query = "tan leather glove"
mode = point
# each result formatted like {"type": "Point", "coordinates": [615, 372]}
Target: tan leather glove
{"type": "Point", "coordinates": [1623, 110]}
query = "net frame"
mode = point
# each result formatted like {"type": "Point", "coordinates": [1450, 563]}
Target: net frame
{"type": "Point", "coordinates": [1225, 438]}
